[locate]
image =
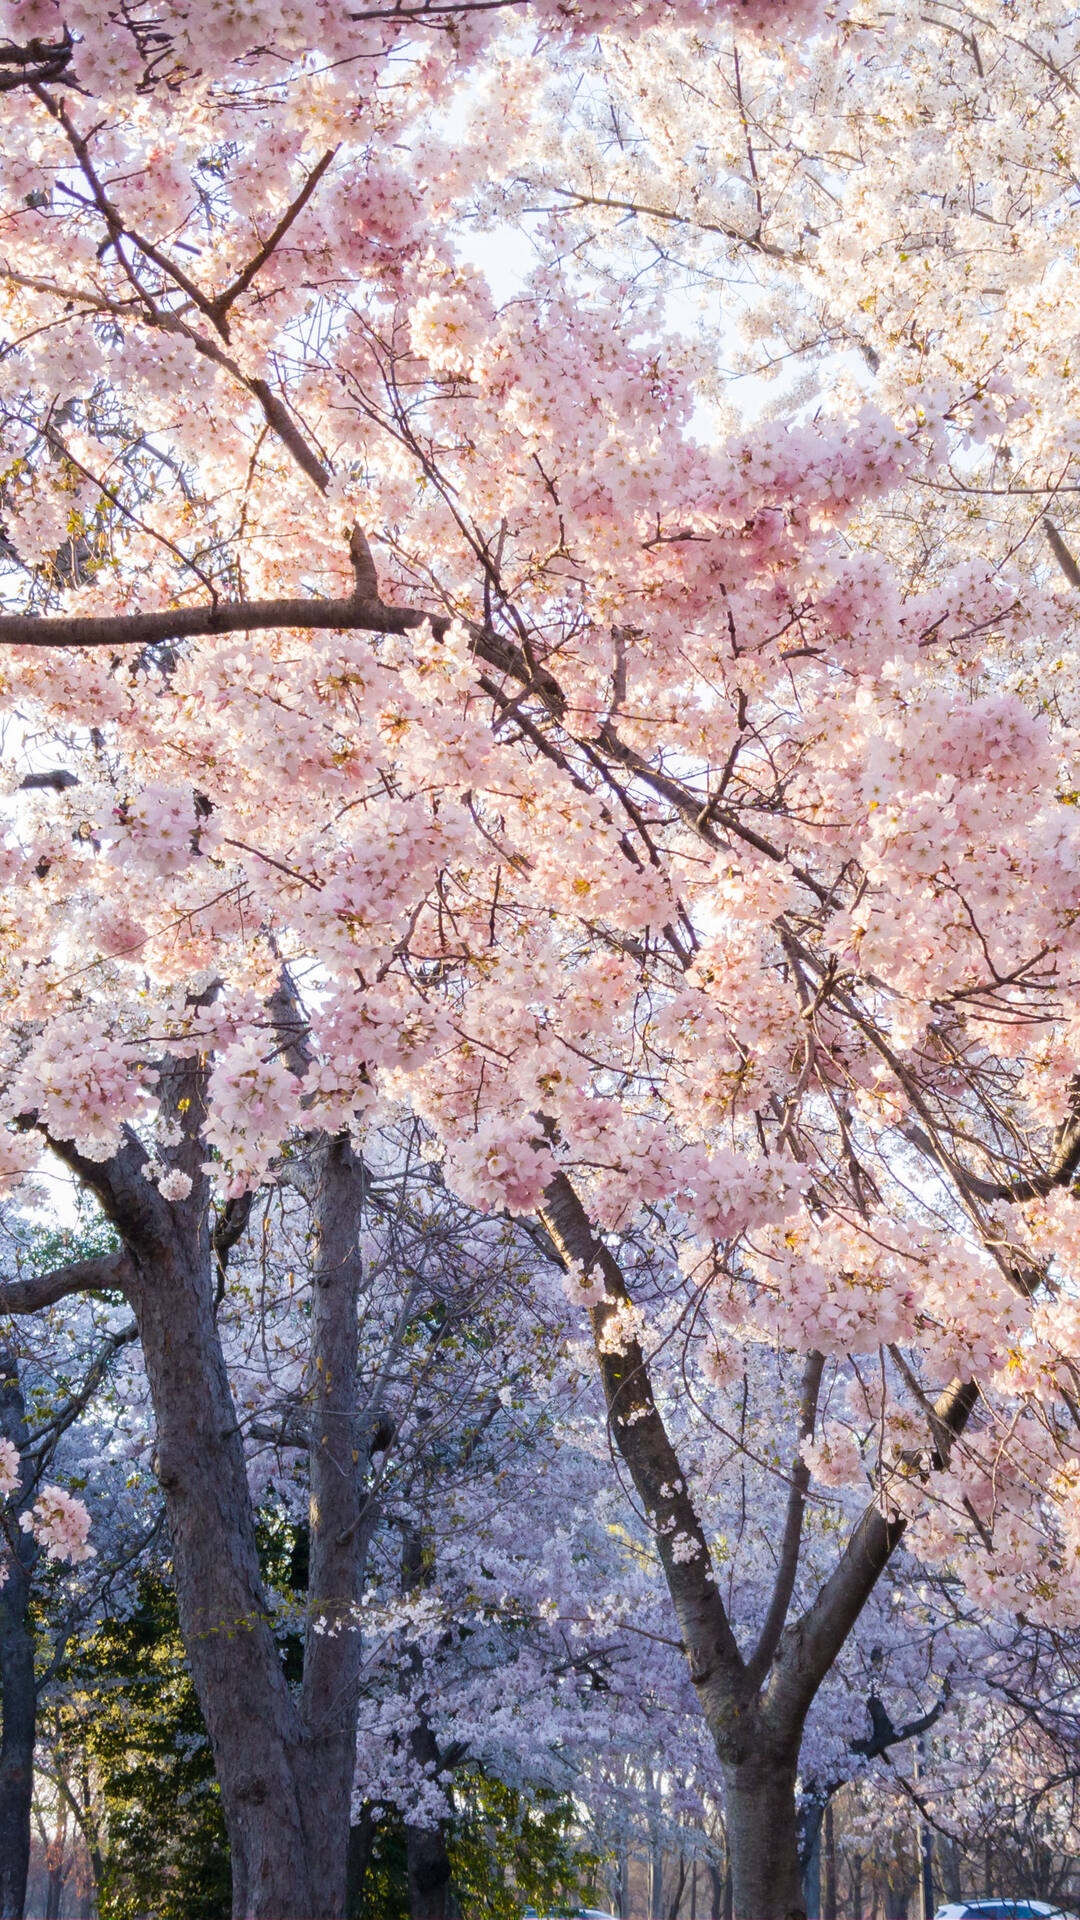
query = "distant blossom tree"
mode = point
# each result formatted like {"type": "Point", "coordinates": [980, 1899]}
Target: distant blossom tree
{"type": "Point", "coordinates": [45, 1525]}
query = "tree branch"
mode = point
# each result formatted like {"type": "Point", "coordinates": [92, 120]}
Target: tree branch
{"type": "Point", "coordinates": [1061, 553]}
{"type": "Point", "coordinates": [219, 306]}
{"type": "Point", "coordinates": [36, 63]}
{"type": "Point", "coordinates": [716, 1665]}
{"type": "Point", "coordinates": [130, 1202]}
{"type": "Point", "coordinates": [883, 1734]}
{"type": "Point", "coordinates": [228, 616]}
{"type": "Point", "coordinates": [810, 1645]}
{"type": "Point", "coordinates": [787, 1566]}
{"type": "Point", "coordinates": [421, 10]}
{"type": "Point", "coordinates": [109, 1272]}
{"type": "Point", "coordinates": [46, 1439]}
{"type": "Point", "coordinates": [1063, 1165]}
{"type": "Point", "coordinates": [230, 1225]}
{"type": "Point", "coordinates": [644, 211]}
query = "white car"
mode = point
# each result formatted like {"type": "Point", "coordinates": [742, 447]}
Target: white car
{"type": "Point", "coordinates": [570, 1913]}
{"type": "Point", "coordinates": [1002, 1910]}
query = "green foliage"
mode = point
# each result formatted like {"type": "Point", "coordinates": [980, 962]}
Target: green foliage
{"type": "Point", "coordinates": [284, 1547]}
{"type": "Point", "coordinates": [383, 1890]}
{"type": "Point", "coordinates": [508, 1850]}
{"type": "Point", "coordinates": [87, 1238]}
{"type": "Point", "coordinates": [164, 1846]}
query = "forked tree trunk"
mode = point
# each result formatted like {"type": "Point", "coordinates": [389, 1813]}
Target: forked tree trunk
{"type": "Point", "coordinates": [755, 1704]}
{"type": "Point", "coordinates": [763, 1837]}
{"type": "Point", "coordinates": [285, 1774]}
{"type": "Point", "coordinates": [285, 1767]}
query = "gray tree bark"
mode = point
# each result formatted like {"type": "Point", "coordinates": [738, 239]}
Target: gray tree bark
{"type": "Point", "coordinates": [763, 1835]}
{"type": "Point", "coordinates": [338, 1537]}
{"type": "Point", "coordinates": [828, 1904]}
{"type": "Point", "coordinates": [253, 1724]}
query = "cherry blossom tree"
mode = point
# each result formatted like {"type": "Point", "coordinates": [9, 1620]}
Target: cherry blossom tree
{"type": "Point", "coordinates": [697, 870]}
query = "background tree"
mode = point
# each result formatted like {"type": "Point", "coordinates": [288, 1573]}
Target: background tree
{"type": "Point", "coordinates": [49, 1391]}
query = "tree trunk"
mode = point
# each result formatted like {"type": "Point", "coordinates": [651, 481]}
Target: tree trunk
{"type": "Point", "coordinates": [429, 1873]}
{"type": "Point", "coordinates": [791, 1658]}
{"type": "Point", "coordinates": [18, 1693]}
{"type": "Point", "coordinates": [680, 1887]}
{"type": "Point", "coordinates": [250, 1718]}
{"type": "Point", "coordinates": [948, 1865]}
{"type": "Point", "coordinates": [762, 1837]}
{"type": "Point", "coordinates": [828, 1905]}
{"type": "Point", "coordinates": [332, 1651]}
{"type": "Point", "coordinates": [54, 1895]}
{"type": "Point", "coordinates": [810, 1857]}
{"type": "Point", "coordinates": [623, 1881]}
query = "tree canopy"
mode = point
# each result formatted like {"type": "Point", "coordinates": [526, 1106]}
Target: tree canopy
{"type": "Point", "coordinates": [539, 884]}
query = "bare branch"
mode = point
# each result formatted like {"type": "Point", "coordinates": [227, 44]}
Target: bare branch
{"type": "Point", "coordinates": [644, 211]}
{"type": "Point", "coordinates": [229, 616]}
{"type": "Point", "coordinates": [231, 1224]}
{"type": "Point", "coordinates": [36, 63]}
{"type": "Point", "coordinates": [422, 10]}
{"type": "Point", "coordinates": [787, 1566]}
{"type": "Point", "coordinates": [107, 1273]}
{"type": "Point", "coordinates": [883, 1734]}
{"type": "Point", "coordinates": [1061, 553]}
{"type": "Point", "coordinates": [219, 307]}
